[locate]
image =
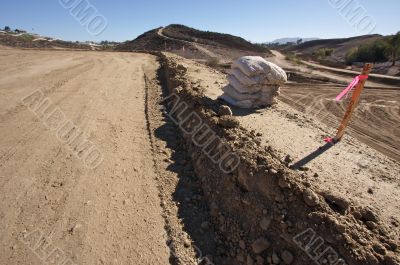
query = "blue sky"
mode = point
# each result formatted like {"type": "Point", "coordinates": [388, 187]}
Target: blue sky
{"type": "Point", "coordinates": [257, 20]}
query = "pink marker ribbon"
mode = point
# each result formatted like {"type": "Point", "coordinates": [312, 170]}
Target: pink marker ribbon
{"type": "Point", "coordinates": [353, 83]}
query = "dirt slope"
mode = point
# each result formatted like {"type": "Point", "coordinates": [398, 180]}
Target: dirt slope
{"type": "Point", "coordinates": [107, 215]}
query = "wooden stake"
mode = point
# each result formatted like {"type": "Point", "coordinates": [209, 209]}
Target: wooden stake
{"type": "Point", "coordinates": [353, 102]}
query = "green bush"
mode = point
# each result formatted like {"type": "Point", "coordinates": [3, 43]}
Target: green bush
{"type": "Point", "coordinates": [26, 37]}
{"type": "Point", "coordinates": [293, 58]}
{"type": "Point", "coordinates": [323, 52]}
{"type": "Point", "coordinates": [393, 43]}
{"type": "Point", "coordinates": [376, 51]}
{"type": "Point", "coordinates": [213, 62]}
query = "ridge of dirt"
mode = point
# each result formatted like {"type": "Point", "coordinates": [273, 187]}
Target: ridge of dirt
{"type": "Point", "coordinates": [182, 200]}
{"type": "Point", "coordinates": [263, 211]}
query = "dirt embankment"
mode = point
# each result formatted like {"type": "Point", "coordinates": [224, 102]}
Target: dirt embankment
{"type": "Point", "coordinates": [264, 212]}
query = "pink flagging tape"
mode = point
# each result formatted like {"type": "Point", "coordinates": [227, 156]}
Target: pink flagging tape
{"type": "Point", "coordinates": [329, 140]}
{"type": "Point", "coordinates": [353, 83]}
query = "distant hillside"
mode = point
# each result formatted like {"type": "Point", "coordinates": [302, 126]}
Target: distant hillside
{"type": "Point", "coordinates": [294, 40]}
{"type": "Point", "coordinates": [335, 49]}
{"type": "Point", "coordinates": [194, 44]}
{"type": "Point", "coordinates": [29, 40]}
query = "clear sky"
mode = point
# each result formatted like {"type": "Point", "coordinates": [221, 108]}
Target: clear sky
{"type": "Point", "coordinates": [257, 20]}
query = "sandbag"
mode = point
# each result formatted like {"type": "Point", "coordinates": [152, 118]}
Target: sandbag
{"type": "Point", "coordinates": [244, 104]}
{"type": "Point", "coordinates": [272, 91]}
{"type": "Point", "coordinates": [256, 66]}
{"type": "Point", "coordinates": [241, 88]}
{"type": "Point", "coordinates": [233, 93]}
{"type": "Point", "coordinates": [253, 83]}
{"type": "Point", "coordinates": [247, 80]}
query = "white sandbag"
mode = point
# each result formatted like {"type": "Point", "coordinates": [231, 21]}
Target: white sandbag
{"type": "Point", "coordinates": [256, 65]}
{"type": "Point", "coordinates": [241, 88]}
{"type": "Point", "coordinates": [247, 80]}
{"type": "Point", "coordinates": [244, 104]}
{"type": "Point", "coordinates": [233, 93]}
{"type": "Point", "coordinates": [270, 91]}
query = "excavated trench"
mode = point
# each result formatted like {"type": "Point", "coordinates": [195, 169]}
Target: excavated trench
{"type": "Point", "coordinates": [263, 212]}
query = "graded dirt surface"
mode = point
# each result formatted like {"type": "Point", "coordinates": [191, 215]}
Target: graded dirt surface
{"type": "Point", "coordinates": [305, 115]}
{"type": "Point", "coordinates": [377, 118]}
{"type": "Point", "coordinates": [109, 214]}
{"type": "Point", "coordinates": [153, 196]}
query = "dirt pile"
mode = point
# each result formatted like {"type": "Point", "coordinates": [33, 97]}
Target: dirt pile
{"type": "Point", "coordinates": [264, 212]}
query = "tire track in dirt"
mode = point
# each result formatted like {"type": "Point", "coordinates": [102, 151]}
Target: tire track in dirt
{"type": "Point", "coordinates": [107, 216]}
{"type": "Point", "coordinates": [376, 125]}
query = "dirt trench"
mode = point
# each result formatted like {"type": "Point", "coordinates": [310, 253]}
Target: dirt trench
{"type": "Point", "coordinates": [262, 212]}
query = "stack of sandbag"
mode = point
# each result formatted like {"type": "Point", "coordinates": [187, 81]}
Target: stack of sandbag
{"type": "Point", "coordinates": [253, 82]}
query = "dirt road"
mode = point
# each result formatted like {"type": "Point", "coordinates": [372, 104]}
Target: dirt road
{"type": "Point", "coordinates": [338, 75]}
{"type": "Point", "coordinates": [52, 199]}
{"type": "Point", "coordinates": [197, 46]}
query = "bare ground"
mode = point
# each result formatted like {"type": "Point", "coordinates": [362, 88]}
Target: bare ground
{"type": "Point", "coordinates": [144, 204]}
{"type": "Point", "coordinates": [52, 203]}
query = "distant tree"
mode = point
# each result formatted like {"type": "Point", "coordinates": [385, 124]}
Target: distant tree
{"type": "Point", "coordinates": [300, 41]}
{"type": "Point", "coordinates": [19, 31]}
{"type": "Point", "coordinates": [375, 51]}
{"type": "Point", "coordinates": [323, 53]}
{"type": "Point", "coordinates": [394, 46]}
{"type": "Point", "coordinates": [7, 29]}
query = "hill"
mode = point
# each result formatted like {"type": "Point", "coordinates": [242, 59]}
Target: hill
{"type": "Point", "coordinates": [211, 38]}
{"type": "Point", "coordinates": [148, 41]}
{"type": "Point", "coordinates": [282, 41]}
{"type": "Point", "coordinates": [29, 40]}
{"type": "Point", "coordinates": [335, 50]}
{"type": "Point", "coordinates": [194, 44]}
{"type": "Point", "coordinates": [23, 39]}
